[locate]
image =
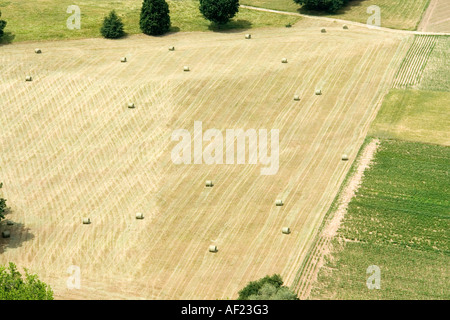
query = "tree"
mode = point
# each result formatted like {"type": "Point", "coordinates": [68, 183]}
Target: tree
{"type": "Point", "coordinates": [112, 26]}
{"type": "Point", "coordinates": [267, 288]}
{"type": "Point", "coordinates": [14, 287]}
{"type": "Point", "coordinates": [219, 11]}
{"type": "Point", "coordinates": [2, 25]}
{"type": "Point", "coordinates": [155, 19]}
{"type": "Point", "coordinates": [323, 5]}
{"type": "Point", "coordinates": [3, 207]}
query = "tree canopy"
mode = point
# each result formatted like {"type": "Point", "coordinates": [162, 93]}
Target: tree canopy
{"type": "Point", "coordinates": [267, 288]}
{"type": "Point", "coordinates": [14, 287]}
{"type": "Point", "coordinates": [155, 18]}
{"type": "Point", "coordinates": [112, 27]}
{"type": "Point", "coordinates": [2, 25]}
{"type": "Point", "coordinates": [3, 207]}
{"type": "Point", "coordinates": [219, 11]}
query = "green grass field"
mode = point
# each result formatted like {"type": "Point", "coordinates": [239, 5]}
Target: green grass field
{"type": "Point", "coordinates": [414, 115]}
{"type": "Point", "coordinates": [398, 221]}
{"type": "Point", "coordinates": [436, 74]}
{"type": "Point", "coordinates": [46, 19]}
{"type": "Point", "coordinates": [398, 14]}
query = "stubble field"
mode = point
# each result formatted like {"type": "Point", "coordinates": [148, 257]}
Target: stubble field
{"type": "Point", "coordinates": [71, 149]}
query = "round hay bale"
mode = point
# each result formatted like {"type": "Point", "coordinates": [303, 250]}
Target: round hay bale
{"type": "Point", "coordinates": [286, 230]}
{"type": "Point", "coordinates": [284, 60]}
{"type": "Point", "coordinates": [28, 78]}
{"type": "Point", "coordinates": [279, 203]}
{"type": "Point", "coordinates": [9, 223]}
{"type": "Point", "coordinates": [297, 97]}
{"type": "Point", "coordinates": [86, 221]}
{"type": "Point", "coordinates": [123, 59]}
{"type": "Point", "coordinates": [186, 68]}
{"type": "Point", "coordinates": [172, 48]}
{"type": "Point", "coordinates": [344, 157]}
{"type": "Point", "coordinates": [139, 215]}
{"type": "Point", "coordinates": [213, 248]}
{"type": "Point", "coordinates": [6, 234]}
{"type": "Point", "coordinates": [345, 27]}
{"type": "Point", "coordinates": [37, 50]}
{"type": "Point", "coordinates": [131, 105]}
{"type": "Point", "coordinates": [248, 36]}
{"type": "Point", "coordinates": [323, 30]}
{"type": "Point", "coordinates": [318, 92]}
{"type": "Point", "coordinates": [209, 184]}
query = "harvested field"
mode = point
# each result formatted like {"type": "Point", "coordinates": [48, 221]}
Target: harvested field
{"type": "Point", "coordinates": [437, 17]}
{"type": "Point", "coordinates": [72, 149]}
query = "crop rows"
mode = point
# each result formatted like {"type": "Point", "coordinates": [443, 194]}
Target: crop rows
{"type": "Point", "coordinates": [398, 221]}
{"type": "Point", "coordinates": [416, 59]}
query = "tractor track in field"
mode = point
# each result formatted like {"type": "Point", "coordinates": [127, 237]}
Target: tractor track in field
{"type": "Point", "coordinates": [359, 24]}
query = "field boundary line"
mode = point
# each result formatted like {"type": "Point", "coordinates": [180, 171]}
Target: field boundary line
{"type": "Point", "coordinates": [308, 271]}
{"type": "Point", "coordinates": [354, 23]}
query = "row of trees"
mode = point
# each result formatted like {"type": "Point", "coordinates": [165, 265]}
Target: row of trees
{"type": "Point", "coordinates": [155, 17]}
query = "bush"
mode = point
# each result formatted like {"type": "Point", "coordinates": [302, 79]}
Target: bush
{"type": "Point", "coordinates": [219, 11]}
{"type": "Point", "coordinates": [267, 288]}
{"type": "Point", "coordinates": [13, 287]}
{"type": "Point", "coordinates": [3, 207]}
{"type": "Point", "coordinates": [155, 19]}
{"type": "Point", "coordinates": [323, 5]}
{"type": "Point", "coordinates": [112, 26]}
{"type": "Point", "coordinates": [2, 25]}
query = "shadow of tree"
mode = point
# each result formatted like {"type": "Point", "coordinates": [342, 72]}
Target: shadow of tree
{"type": "Point", "coordinates": [18, 234]}
{"type": "Point", "coordinates": [232, 26]}
{"type": "Point", "coordinates": [174, 29]}
{"type": "Point", "coordinates": [7, 38]}
{"type": "Point", "coordinates": [349, 6]}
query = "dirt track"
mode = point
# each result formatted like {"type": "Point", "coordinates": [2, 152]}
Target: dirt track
{"type": "Point", "coordinates": [434, 22]}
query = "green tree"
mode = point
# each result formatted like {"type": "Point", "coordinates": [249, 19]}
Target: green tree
{"type": "Point", "coordinates": [14, 287]}
{"type": "Point", "coordinates": [155, 18]}
{"type": "Point", "coordinates": [2, 25]}
{"type": "Point", "coordinates": [323, 5]}
{"type": "Point", "coordinates": [267, 288]}
{"type": "Point", "coordinates": [3, 207]}
{"type": "Point", "coordinates": [112, 27]}
{"type": "Point", "coordinates": [219, 11]}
